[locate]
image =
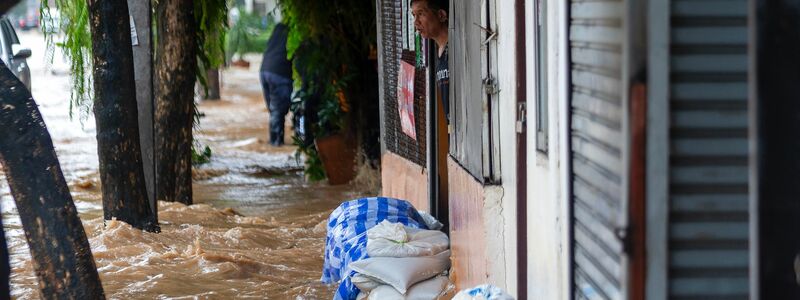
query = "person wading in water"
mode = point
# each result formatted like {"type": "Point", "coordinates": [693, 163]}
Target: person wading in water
{"type": "Point", "coordinates": [276, 81]}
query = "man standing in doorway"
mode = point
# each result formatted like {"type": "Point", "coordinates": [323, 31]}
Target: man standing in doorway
{"type": "Point", "coordinates": [431, 21]}
{"type": "Point", "coordinates": [276, 81]}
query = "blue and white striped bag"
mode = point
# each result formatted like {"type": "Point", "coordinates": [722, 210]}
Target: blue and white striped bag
{"type": "Point", "coordinates": [346, 240]}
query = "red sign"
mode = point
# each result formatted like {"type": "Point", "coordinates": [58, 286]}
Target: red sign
{"type": "Point", "coordinates": [405, 99]}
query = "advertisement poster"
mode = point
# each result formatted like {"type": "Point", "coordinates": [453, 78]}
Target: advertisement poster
{"type": "Point", "coordinates": [405, 99]}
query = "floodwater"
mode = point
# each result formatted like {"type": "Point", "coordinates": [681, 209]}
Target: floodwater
{"type": "Point", "coordinates": [256, 231]}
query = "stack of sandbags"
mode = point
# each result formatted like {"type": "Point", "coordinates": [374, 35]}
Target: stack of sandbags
{"type": "Point", "coordinates": [404, 263]}
{"type": "Point", "coordinates": [346, 239]}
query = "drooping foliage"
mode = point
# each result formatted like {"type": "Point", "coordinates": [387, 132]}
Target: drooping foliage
{"type": "Point", "coordinates": [212, 25]}
{"type": "Point", "coordinates": [69, 31]}
{"type": "Point", "coordinates": [329, 42]}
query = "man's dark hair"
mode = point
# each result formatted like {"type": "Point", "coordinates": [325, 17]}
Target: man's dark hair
{"type": "Point", "coordinates": [436, 4]}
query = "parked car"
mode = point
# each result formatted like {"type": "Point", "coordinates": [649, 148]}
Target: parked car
{"type": "Point", "coordinates": [28, 22]}
{"type": "Point", "coordinates": [13, 54]}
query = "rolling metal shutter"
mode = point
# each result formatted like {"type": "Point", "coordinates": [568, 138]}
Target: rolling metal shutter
{"type": "Point", "coordinates": [394, 39]}
{"type": "Point", "coordinates": [598, 140]}
{"type": "Point", "coordinates": [708, 227]}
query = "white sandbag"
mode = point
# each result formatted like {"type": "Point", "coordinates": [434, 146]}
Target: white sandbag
{"type": "Point", "coordinates": [420, 243]}
{"type": "Point", "coordinates": [483, 292]}
{"type": "Point", "coordinates": [364, 282]}
{"type": "Point", "coordinates": [402, 272]}
{"type": "Point", "coordinates": [430, 221]}
{"type": "Point", "coordinates": [430, 289]}
{"type": "Point", "coordinates": [386, 230]}
{"type": "Point", "coordinates": [362, 296]}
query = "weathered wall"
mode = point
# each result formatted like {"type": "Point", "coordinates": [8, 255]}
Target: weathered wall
{"type": "Point", "coordinates": [405, 180]}
{"type": "Point", "coordinates": [507, 214]}
{"type": "Point", "coordinates": [500, 263]}
{"type": "Point", "coordinates": [483, 217]}
{"type": "Point", "coordinates": [547, 205]}
{"type": "Point", "coordinates": [467, 228]}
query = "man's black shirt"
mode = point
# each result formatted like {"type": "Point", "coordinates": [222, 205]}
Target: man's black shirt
{"type": "Point", "coordinates": [443, 82]}
{"type": "Point", "coordinates": [275, 60]}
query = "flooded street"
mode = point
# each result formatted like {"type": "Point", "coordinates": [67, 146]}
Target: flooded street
{"type": "Point", "coordinates": [256, 231]}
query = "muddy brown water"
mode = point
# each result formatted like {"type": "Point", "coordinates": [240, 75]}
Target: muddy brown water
{"type": "Point", "coordinates": [256, 231]}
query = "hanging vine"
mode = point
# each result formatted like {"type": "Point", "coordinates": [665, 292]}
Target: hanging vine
{"type": "Point", "coordinates": [212, 25]}
{"type": "Point", "coordinates": [69, 31]}
{"type": "Point", "coordinates": [71, 26]}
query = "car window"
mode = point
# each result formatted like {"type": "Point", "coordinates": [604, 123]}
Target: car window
{"type": "Point", "coordinates": [11, 32]}
{"type": "Point", "coordinates": [5, 48]}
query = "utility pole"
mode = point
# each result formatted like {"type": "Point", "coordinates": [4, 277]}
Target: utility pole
{"type": "Point", "coordinates": [141, 38]}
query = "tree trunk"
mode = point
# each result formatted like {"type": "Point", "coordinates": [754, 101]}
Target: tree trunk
{"type": "Point", "coordinates": [116, 114]}
{"type": "Point", "coordinates": [213, 85]}
{"type": "Point", "coordinates": [62, 258]}
{"type": "Point", "coordinates": [5, 268]}
{"type": "Point", "coordinates": [176, 64]}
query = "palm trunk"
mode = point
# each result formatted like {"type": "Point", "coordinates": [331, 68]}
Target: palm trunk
{"type": "Point", "coordinates": [116, 114]}
{"type": "Point", "coordinates": [62, 258]}
{"type": "Point", "coordinates": [176, 64]}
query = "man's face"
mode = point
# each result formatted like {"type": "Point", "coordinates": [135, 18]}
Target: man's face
{"type": "Point", "coordinates": [428, 22]}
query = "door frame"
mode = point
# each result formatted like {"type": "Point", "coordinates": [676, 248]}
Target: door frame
{"type": "Point", "coordinates": [522, 152]}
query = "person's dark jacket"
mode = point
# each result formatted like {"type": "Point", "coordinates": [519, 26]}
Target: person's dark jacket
{"type": "Point", "coordinates": [275, 60]}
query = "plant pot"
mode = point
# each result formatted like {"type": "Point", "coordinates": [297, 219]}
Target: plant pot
{"type": "Point", "coordinates": [241, 63]}
{"type": "Point", "coordinates": [338, 155]}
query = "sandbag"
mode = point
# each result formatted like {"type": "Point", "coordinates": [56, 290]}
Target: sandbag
{"type": "Point", "coordinates": [381, 241]}
{"type": "Point", "coordinates": [433, 223]}
{"type": "Point", "coordinates": [394, 232]}
{"type": "Point", "coordinates": [483, 292]}
{"type": "Point", "coordinates": [430, 289]}
{"type": "Point", "coordinates": [364, 282]}
{"type": "Point", "coordinates": [346, 239]}
{"type": "Point", "coordinates": [402, 272]}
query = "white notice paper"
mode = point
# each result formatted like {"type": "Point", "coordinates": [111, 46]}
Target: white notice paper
{"type": "Point", "coordinates": [134, 36]}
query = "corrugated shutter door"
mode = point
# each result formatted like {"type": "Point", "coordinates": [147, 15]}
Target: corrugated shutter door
{"type": "Point", "coordinates": [708, 231]}
{"type": "Point", "coordinates": [598, 138]}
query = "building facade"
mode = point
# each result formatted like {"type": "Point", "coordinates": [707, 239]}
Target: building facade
{"type": "Point", "coordinates": [598, 149]}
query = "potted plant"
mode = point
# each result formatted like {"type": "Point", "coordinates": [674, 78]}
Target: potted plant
{"type": "Point", "coordinates": [321, 131]}
{"type": "Point", "coordinates": [328, 42]}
